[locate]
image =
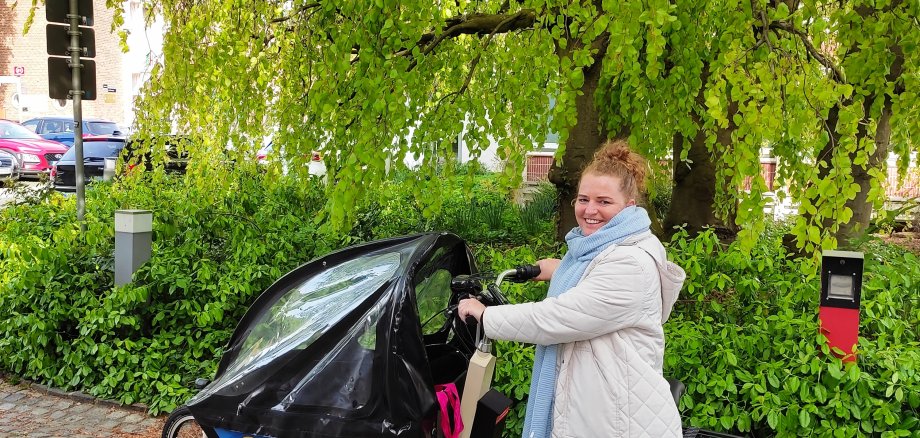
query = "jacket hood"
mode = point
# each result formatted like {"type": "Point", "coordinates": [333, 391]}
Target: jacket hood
{"type": "Point", "coordinates": [672, 276]}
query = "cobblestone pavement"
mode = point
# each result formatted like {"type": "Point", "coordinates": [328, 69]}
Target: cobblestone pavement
{"type": "Point", "coordinates": [30, 411]}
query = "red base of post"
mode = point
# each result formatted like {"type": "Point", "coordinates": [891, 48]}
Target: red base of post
{"type": "Point", "coordinates": [841, 327]}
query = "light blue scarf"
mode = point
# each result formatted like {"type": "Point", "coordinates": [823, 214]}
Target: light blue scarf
{"type": "Point", "coordinates": [538, 422]}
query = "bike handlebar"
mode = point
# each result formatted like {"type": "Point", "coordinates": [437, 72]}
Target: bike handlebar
{"type": "Point", "coordinates": [473, 285]}
{"type": "Point", "coordinates": [519, 274]}
{"type": "Point", "coordinates": [524, 273]}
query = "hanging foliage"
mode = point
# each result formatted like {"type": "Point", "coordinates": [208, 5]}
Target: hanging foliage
{"type": "Point", "coordinates": [829, 86]}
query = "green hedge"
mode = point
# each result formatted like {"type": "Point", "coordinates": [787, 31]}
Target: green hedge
{"type": "Point", "coordinates": [743, 337]}
{"type": "Point", "coordinates": [745, 340]}
{"type": "Point", "coordinates": [64, 324]}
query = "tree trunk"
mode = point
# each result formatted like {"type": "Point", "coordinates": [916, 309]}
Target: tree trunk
{"type": "Point", "coordinates": [694, 194]}
{"type": "Point", "coordinates": [861, 205]}
{"type": "Point", "coordinates": [833, 115]}
{"type": "Point", "coordinates": [584, 139]}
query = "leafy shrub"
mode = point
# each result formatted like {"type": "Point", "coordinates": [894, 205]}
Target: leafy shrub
{"type": "Point", "coordinates": [390, 212]}
{"type": "Point", "coordinates": [745, 340]}
{"type": "Point", "coordinates": [215, 250]}
{"type": "Point", "coordinates": [65, 324]}
{"type": "Point", "coordinates": [743, 336]}
{"type": "Point", "coordinates": [540, 212]}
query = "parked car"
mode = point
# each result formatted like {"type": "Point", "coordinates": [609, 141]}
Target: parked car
{"type": "Point", "coordinates": [60, 129]}
{"type": "Point", "coordinates": [36, 154]}
{"type": "Point", "coordinates": [95, 152]}
{"type": "Point", "coordinates": [9, 167]}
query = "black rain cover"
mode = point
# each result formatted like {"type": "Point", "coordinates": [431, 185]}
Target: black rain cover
{"type": "Point", "coordinates": [333, 349]}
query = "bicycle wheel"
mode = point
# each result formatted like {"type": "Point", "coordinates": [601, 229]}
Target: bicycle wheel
{"type": "Point", "coordinates": [181, 424]}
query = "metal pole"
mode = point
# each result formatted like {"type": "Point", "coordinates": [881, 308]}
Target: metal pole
{"type": "Point", "coordinates": [77, 95]}
{"type": "Point", "coordinates": [21, 98]}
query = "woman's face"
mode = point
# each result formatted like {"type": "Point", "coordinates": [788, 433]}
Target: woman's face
{"type": "Point", "coordinates": [599, 200]}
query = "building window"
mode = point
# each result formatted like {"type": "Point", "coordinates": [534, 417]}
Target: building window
{"type": "Point", "coordinates": [538, 167]}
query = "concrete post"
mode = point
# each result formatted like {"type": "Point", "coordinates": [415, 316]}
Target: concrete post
{"type": "Point", "coordinates": [133, 239]}
{"type": "Point", "coordinates": [108, 169]}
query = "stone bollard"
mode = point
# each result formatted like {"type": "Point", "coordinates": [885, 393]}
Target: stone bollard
{"type": "Point", "coordinates": [133, 239]}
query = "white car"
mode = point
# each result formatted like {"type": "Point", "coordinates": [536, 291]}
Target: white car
{"type": "Point", "coordinates": [10, 166]}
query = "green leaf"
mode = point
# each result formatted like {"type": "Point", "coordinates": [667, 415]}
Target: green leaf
{"type": "Point", "coordinates": [804, 418]}
{"type": "Point", "coordinates": [731, 358]}
{"type": "Point", "coordinates": [774, 381]}
{"type": "Point", "coordinates": [834, 370]}
{"type": "Point", "coordinates": [782, 10]}
{"type": "Point", "coordinates": [853, 373]}
{"type": "Point", "coordinates": [773, 419]}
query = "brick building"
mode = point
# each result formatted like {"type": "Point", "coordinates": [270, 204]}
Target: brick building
{"type": "Point", "coordinates": [24, 68]}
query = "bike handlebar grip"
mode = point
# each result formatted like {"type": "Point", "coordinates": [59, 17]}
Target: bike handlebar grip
{"type": "Point", "coordinates": [526, 272]}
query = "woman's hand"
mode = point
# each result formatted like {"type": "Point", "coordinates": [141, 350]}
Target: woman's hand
{"type": "Point", "coordinates": [470, 307]}
{"type": "Point", "coordinates": [547, 267]}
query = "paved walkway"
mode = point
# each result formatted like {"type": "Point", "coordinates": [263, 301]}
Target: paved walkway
{"type": "Point", "coordinates": [8, 196]}
{"type": "Point", "coordinates": [34, 412]}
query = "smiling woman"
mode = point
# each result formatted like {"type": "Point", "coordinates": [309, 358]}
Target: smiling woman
{"type": "Point", "coordinates": [607, 300]}
{"type": "Point", "coordinates": [599, 200]}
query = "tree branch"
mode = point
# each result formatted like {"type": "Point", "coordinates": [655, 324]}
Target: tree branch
{"type": "Point", "coordinates": [303, 8]}
{"type": "Point", "coordinates": [766, 30]}
{"type": "Point", "coordinates": [485, 45]}
{"type": "Point", "coordinates": [466, 83]}
{"type": "Point", "coordinates": [476, 24]}
{"type": "Point", "coordinates": [836, 73]}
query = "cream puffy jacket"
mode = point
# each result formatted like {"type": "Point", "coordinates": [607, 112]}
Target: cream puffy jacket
{"type": "Point", "coordinates": [609, 381]}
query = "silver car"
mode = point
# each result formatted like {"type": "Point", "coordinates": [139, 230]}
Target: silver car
{"type": "Point", "coordinates": [10, 166]}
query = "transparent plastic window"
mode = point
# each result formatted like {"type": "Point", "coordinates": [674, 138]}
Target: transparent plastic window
{"type": "Point", "coordinates": [305, 312]}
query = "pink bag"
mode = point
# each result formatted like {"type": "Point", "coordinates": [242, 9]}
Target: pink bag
{"type": "Point", "coordinates": [449, 402]}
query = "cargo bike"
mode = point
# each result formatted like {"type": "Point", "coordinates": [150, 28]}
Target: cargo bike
{"type": "Point", "coordinates": [361, 343]}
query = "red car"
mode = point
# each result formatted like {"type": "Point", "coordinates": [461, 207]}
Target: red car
{"type": "Point", "coordinates": [36, 154]}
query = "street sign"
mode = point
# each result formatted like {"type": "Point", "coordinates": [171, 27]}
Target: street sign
{"type": "Point", "coordinates": [72, 77]}
{"type": "Point", "coordinates": [59, 40]}
{"type": "Point", "coordinates": [56, 11]}
{"type": "Point", "coordinates": [60, 79]}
